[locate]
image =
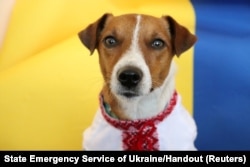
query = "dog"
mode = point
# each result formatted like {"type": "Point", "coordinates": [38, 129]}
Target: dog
{"type": "Point", "coordinates": [140, 108]}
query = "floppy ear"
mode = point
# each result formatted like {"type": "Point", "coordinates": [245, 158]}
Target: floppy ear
{"type": "Point", "coordinates": [181, 38]}
{"type": "Point", "coordinates": [89, 36]}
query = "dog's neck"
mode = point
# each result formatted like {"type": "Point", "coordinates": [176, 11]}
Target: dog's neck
{"type": "Point", "coordinates": [143, 106]}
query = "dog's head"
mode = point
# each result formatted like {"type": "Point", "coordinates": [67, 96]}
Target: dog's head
{"type": "Point", "coordinates": [135, 51]}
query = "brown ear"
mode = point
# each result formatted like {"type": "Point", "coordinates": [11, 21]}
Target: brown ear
{"type": "Point", "coordinates": [182, 39]}
{"type": "Point", "coordinates": [89, 36]}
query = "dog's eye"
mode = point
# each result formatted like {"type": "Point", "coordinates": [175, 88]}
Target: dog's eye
{"type": "Point", "coordinates": [110, 42]}
{"type": "Point", "coordinates": [157, 44]}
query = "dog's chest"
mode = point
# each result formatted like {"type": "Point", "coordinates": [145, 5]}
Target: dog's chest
{"type": "Point", "coordinates": [173, 129]}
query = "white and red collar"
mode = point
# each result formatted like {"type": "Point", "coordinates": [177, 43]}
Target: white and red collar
{"type": "Point", "coordinates": [139, 134]}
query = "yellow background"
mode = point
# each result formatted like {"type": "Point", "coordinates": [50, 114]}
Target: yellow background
{"type": "Point", "coordinates": [49, 84]}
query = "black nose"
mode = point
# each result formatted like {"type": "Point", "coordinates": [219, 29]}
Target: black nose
{"type": "Point", "coordinates": [130, 77]}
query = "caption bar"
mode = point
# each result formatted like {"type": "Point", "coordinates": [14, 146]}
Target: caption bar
{"type": "Point", "coordinates": [122, 157]}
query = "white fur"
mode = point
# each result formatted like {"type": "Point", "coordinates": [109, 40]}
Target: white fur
{"type": "Point", "coordinates": [148, 104]}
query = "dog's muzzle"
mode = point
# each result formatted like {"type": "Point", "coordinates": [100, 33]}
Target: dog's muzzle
{"type": "Point", "coordinates": [129, 78]}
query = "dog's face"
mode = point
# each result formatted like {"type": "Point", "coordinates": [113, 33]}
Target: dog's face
{"type": "Point", "coordinates": [135, 51]}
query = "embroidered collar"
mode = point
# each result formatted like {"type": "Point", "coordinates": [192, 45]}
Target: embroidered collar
{"type": "Point", "coordinates": [138, 134]}
{"type": "Point", "coordinates": [111, 117]}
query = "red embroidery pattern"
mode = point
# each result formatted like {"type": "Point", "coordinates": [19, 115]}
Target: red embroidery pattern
{"type": "Point", "coordinates": [140, 134]}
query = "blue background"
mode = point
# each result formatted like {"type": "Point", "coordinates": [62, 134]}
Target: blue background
{"type": "Point", "coordinates": [222, 74]}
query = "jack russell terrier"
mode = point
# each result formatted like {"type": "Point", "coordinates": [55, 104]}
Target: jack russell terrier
{"type": "Point", "coordinates": [139, 106]}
